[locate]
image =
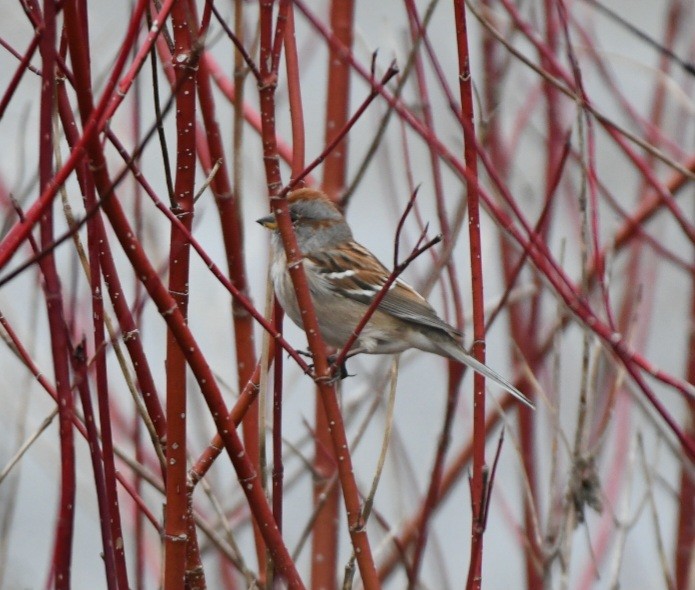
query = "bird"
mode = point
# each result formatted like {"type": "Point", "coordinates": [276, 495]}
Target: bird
{"type": "Point", "coordinates": [344, 277]}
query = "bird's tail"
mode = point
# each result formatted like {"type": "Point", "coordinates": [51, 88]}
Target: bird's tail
{"type": "Point", "coordinates": [453, 350]}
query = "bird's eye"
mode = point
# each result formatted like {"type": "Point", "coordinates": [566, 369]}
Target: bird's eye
{"type": "Point", "coordinates": [294, 216]}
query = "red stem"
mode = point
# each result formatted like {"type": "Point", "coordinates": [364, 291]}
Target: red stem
{"type": "Point", "coordinates": [22, 68]}
{"type": "Point", "coordinates": [278, 467]}
{"type": "Point", "coordinates": [232, 232]}
{"type": "Point", "coordinates": [79, 362]}
{"type": "Point", "coordinates": [177, 514]}
{"type": "Point", "coordinates": [294, 90]}
{"type": "Point", "coordinates": [62, 552]}
{"type": "Point", "coordinates": [478, 482]}
{"type": "Point", "coordinates": [327, 391]}
{"type": "Point", "coordinates": [342, 14]}
{"type": "Point", "coordinates": [455, 371]}
{"type": "Point", "coordinates": [324, 545]}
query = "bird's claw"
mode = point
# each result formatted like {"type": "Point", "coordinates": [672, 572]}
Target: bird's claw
{"type": "Point", "coordinates": [337, 373]}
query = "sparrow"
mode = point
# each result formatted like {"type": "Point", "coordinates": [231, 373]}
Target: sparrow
{"type": "Point", "coordinates": [344, 277]}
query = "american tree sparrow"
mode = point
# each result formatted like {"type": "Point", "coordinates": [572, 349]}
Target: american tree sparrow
{"type": "Point", "coordinates": [344, 277]}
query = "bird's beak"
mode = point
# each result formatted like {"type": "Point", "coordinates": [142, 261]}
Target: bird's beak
{"type": "Point", "coordinates": [268, 222]}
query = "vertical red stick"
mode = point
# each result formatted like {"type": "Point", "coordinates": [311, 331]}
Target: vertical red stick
{"type": "Point", "coordinates": [324, 545]}
{"type": "Point", "coordinates": [455, 370]}
{"type": "Point", "coordinates": [338, 97]}
{"type": "Point", "coordinates": [177, 515]}
{"type": "Point", "coordinates": [62, 554]}
{"type": "Point", "coordinates": [79, 363]}
{"type": "Point", "coordinates": [478, 481]}
{"type": "Point", "coordinates": [228, 206]}
{"type": "Point", "coordinates": [327, 393]}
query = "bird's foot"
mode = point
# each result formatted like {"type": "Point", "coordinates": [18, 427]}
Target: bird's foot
{"type": "Point", "coordinates": [337, 372]}
{"type": "Point", "coordinates": [340, 371]}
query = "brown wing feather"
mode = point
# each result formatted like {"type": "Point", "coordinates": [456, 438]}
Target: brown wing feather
{"type": "Point", "coordinates": [362, 285]}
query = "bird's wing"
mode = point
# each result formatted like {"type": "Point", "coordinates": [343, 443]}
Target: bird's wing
{"type": "Point", "coordinates": [365, 278]}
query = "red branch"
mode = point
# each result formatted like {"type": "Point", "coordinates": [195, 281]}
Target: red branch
{"type": "Point", "coordinates": [478, 481]}
{"type": "Point", "coordinates": [327, 392]}
{"type": "Point", "coordinates": [177, 516]}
